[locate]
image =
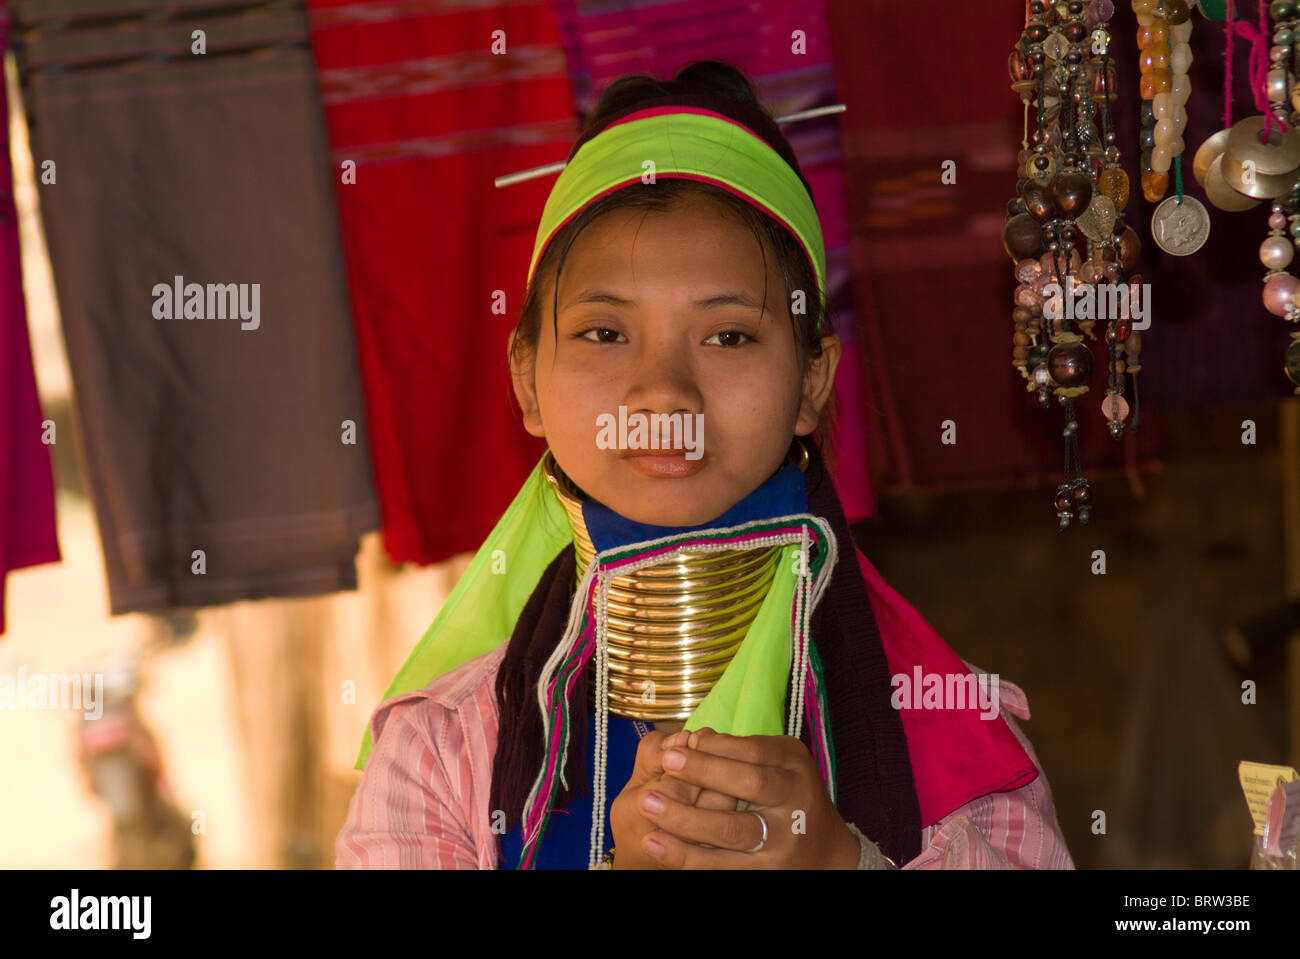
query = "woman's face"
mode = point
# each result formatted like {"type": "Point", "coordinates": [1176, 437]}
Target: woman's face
{"type": "Point", "coordinates": [659, 313]}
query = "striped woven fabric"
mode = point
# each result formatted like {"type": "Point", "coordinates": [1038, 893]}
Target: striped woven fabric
{"type": "Point", "coordinates": [424, 111]}
{"type": "Point", "coordinates": [190, 155]}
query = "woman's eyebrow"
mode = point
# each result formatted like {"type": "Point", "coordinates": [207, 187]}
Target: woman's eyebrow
{"type": "Point", "coordinates": [728, 298]}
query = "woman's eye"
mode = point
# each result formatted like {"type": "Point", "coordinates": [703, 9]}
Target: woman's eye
{"type": "Point", "coordinates": [730, 338]}
{"type": "Point", "coordinates": [600, 337]}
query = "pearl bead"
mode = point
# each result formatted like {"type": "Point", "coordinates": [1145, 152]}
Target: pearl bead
{"type": "Point", "coordinates": [1161, 157]}
{"type": "Point", "coordinates": [1277, 221]}
{"type": "Point", "coordinates": [1276, 252]}
{"type": "Point", "coordinates": [1180, 119]}
{"type": "Point", "coordinates": [1181, 32]}
{"type": "Point", "coordinates": [1181, 89]}
{"type": "Point", "coordinates": [1162, 106]}
{"type": "Point", "coordinates": [1165, 132]}
{"type": "Point", "coordinates": [1279, 292]}
{"type": "Point", "coordinates": [1276, 86]}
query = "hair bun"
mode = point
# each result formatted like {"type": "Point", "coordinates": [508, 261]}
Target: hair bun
{"type": "Point", "coordinates": [701, 77]}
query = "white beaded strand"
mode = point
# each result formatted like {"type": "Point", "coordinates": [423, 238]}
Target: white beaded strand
{"type": "Point", "coordinates": [602, 719]}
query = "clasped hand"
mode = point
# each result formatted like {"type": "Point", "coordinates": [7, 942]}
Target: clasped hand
{"type": "Point", "coordinates": [690, 801]}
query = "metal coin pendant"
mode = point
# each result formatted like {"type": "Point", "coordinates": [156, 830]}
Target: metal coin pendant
{"type": "Point", "coordinates": [1213, 146]}
{"type": "Point", "coordinates": [1221, 194]}
{"type": "Point", "coordinates": [1180, 228]}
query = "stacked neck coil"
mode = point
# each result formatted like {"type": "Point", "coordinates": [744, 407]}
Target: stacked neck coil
{"type": "Point", "coordinates": [673, 627]}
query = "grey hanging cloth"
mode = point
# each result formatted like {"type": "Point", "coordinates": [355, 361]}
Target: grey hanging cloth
{"type": "Point", "coordinates": [187, 195]}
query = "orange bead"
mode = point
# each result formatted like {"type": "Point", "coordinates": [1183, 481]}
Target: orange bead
{"type": "Point", "coordinates": [1157, 81]}
{"type": "Point", "coordinates": [1156, 58]}
{"type": "Point", "coordinates": [1143, 37]}
{"type": "Point", "coordinates": [1154, 185]}
{"type": "Point", "coordinates": [1114, 184]}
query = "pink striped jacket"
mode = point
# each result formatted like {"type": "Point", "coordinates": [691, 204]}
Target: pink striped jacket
{"type": "Point", "coordinates": [422, 802]}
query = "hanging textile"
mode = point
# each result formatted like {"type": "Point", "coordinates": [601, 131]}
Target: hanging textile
{"type": "Point", "coordinates": [27, 529]}
{"type": "Point", "coordinates": [426, 104]}
{"type": "Point", "coordinates": [194, 243]}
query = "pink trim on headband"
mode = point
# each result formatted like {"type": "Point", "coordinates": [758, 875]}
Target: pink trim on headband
{"type": "Point", "coordinates": [664, 111]}
{"type": "Point", "coordinates": [681, 176]}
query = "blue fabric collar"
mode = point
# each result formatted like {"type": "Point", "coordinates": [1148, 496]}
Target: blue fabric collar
{"type": "Point", "coordinates": [782, 494]}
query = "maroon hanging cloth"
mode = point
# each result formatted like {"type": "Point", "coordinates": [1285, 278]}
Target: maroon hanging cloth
{"type": "Point", "coordinates": [28, 536]}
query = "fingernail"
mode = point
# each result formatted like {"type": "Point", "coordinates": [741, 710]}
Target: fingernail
{"type": "Point", "coordinates": [694, 740]}
{"type": "Point", "coordinates": [652, 803]}
{"type": "Point", "coordinates": [674, 759]}
{"type": "Point", "coordinates": [654, 847]}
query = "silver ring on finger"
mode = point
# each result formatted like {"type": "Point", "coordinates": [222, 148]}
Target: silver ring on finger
{"type": "Point", "coordinates": [762, 842]}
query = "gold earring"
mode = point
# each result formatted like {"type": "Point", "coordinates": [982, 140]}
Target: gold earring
{"type": "Point", "coordinates": [801, 458]}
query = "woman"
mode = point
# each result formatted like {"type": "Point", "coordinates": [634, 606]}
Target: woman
{"type": "Point", "coordinates": [687, 608]}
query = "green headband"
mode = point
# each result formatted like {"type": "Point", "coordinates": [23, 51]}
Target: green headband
{"type": "Point", "coordinates": [686, 143]}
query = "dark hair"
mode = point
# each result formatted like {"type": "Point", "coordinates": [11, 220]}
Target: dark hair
{"type": "Point", "coordinates": [703, 77]}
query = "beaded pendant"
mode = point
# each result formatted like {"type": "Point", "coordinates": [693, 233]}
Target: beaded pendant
{"type": "Point", "coordinates": [1071, 198]}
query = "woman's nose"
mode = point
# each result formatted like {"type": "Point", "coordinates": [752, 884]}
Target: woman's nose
{"type": "Point", "coordinates": [664, 383]}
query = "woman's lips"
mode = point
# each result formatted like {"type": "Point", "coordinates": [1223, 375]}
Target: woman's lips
{"type": "Point", "coordinates": [664, 465]}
